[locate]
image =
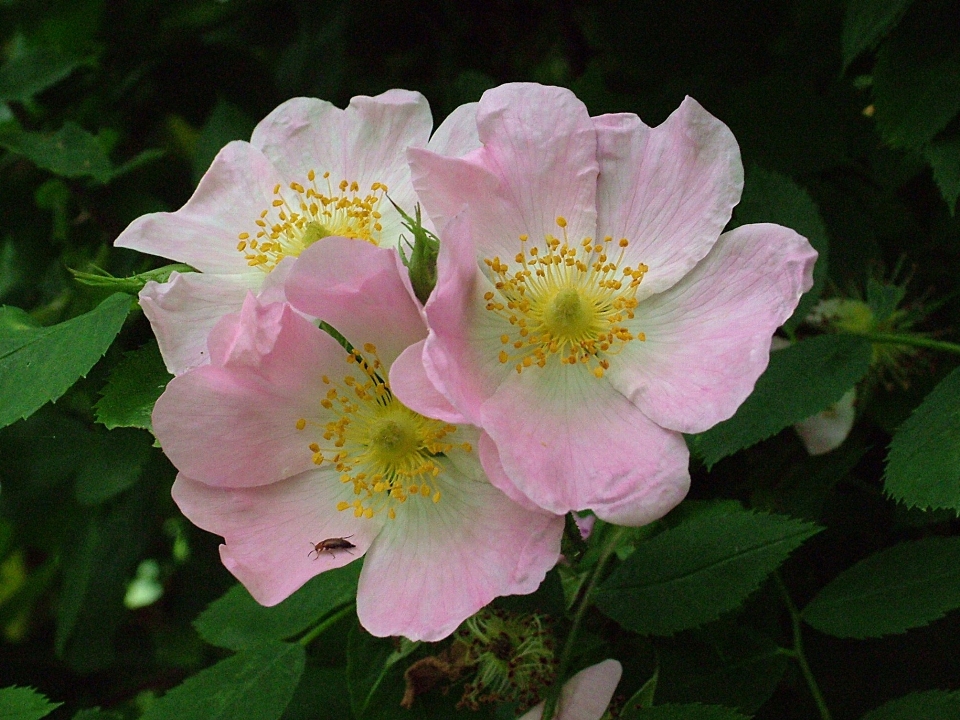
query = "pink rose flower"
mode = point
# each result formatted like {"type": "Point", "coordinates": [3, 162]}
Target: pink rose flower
{"type": "Point", "coordinates": [301, 457]}
{"type": "Point", "coordinates": [586, 695]}
{"type": "Point", "coordinates": [588, 309]}
{"type": "Point", "coordinates": [310, 170]}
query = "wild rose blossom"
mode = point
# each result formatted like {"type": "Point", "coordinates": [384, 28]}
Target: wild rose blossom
{"type": "Point", "coordinates": [310, 170]}
{"type": "Point", "coordinates": [586, 695]}
{"type": "Point", "coordinates": [285, 440]}
{"type": "Point", "coordinates": [588, 309]}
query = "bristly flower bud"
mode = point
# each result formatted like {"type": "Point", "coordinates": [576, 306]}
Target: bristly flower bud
{"type": "Point", "coordinates": [422, 262]}
{"type": "Point", "coordinates": [513, 655]}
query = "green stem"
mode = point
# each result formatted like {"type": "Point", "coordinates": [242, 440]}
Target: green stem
{"type": "Point", "coordinates": [798, 653]}
{"type": "Point", "coordinates": [323, 626]}
{"type": "Point", "coordinates": [914, 340]}
{"type": "Point", "coordinates": [553, 697]}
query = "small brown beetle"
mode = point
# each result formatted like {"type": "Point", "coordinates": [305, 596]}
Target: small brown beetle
{"type": "Point", "coordinates": [331, 544]}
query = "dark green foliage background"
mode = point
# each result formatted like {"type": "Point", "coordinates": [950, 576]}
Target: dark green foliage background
{"type": "Point", "coordinates": [847, 116]}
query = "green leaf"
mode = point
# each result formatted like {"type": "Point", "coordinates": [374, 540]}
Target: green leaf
{"type": "Point", "coordinates": [35, 70]}
{"type": "Point", "coordinates": [944, 159]}
{"type": "Point", "coordinates": [132, 284]}
{"type": "Point", "coordinates": [693, 711]}
{"type": "Point", "coordinates": [104, 547]}
{"type": "Point", "coordinates": [695, 572]}
{"type": "Point", "coordinates": [20, 703]}
{"type": "Point", "coordinates": [70, 152]}
{"type": "Point", "coordinates": [800, 381]}
{"type": "Point", "coordinates": [930, 705]}
{"type": "Point", "coordinates": [257, 682]}
{"type": "Point", "coordinates": [132, 389]}
{"type": "Point", "coordinates": [916, 81]}
{"type": "Point", "coordinates": [772, 197]}
{"type": "Point", "coordinates": [236, 620]}
{"type": "Point", "coordinates": [903, 587]}
{"type": "Point", "coordinates": [923, 467]}
{"type": "Point", "coordinates": [39, 364]}
{"type": "Point", "coordinates": [723, 665]}
{"type": "Point", "coordinates": [866, 23]}
{"type": "Point", "coordinates": [376, 687]}
{"type": "Point", "coordinates": [112, 465]}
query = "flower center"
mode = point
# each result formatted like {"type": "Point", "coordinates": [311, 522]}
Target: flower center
{"type": "Point", "coordinates": [300, 216]}
{"type": "Point", "coordinates": [383, 448]}
{"type": "Point", "coordinates": [565, 300]}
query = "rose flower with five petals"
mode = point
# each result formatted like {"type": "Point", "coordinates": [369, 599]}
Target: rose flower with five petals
{"type": "Point", "coordinates": [310, 171]}
{"type": "Point", "coordinates": [588, 309]}
{"type": "Point", "coordinates": [287, 439]}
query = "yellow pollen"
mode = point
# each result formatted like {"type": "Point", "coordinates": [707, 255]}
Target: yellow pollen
{"type": "Point", "coordinates": [304, 214]}
{"type": "Point", "coordinates": [563, 298]}
{"type": "Point", "coordinates": [381, 450]}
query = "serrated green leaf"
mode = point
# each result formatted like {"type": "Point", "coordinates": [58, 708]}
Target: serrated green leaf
{"type": "Point", "coordinates": [112, 465]}
{"type": "Point", "coordinates": [133, 388]}
{"type": "Point", "coordinates": [20, 703]}
{"type": "Point", "coordinates": [930, 705]}
{"type": "Point", "coordinates": [944, 159]}
{"type": "Point", "coordinates": [800, 381]}
{"type": "Point", "coordinates": [903, 587]}
{"type": "Point", "coordinates": [39, 364]}
{"type": "Point", "coordinates": [257, 682]}
{"type": "Point", "coordinates": [866, 23]}
{"type": "Point", "coordinates": [35, 70]}
{"type": "Point", "coordinates": [725, 665]}
{"type": "Point", "coordinates": [693, 711]}
{"type": "Point", "coordinates": [69, 152]}
{"type": "Point", "coordinates": [375, 685]}
{"type": "Point", "coordinates": [916, 81]}
{"type": "Point", "coordinates": [236, 620]}
{"type": "Point", "coordinates": [772, 197]}
{"type": "Point", "coordinates": [695, 572]}
{"type": "Point", "coordinates": [923, 467]}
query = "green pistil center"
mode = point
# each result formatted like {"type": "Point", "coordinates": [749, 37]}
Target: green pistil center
{"type": "Point", "coordinates": [567, 316]}
{"type": "Point", "coordinates": [314, 231]}
{"type": "Point", "coordinates": [394, 439]}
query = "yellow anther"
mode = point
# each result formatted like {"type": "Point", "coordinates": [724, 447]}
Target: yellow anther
{"type": "Point", "coordinates": [301, 423]}
{"type": "Point", "coordinates": [561, 221]}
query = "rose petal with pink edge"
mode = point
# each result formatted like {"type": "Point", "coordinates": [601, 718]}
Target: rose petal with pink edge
{"type": "Point", "coordinates": [569, 441]}
{"type": "Point", "coordinates": [490, 459]}
{"type": "Point", "coordinates": [270, 531]}
{"type": "Point", "coordinates": [203, 233]}
{"type": "Point", "coordinates": [183, 311]}
{"type": "Point", "coordinates": [538, 162]}
{"type": "Point", "coordinates": [708, 337]}
{"type": "Point", "coordinates": [411, 386]}
{"type": "Point", "coordinates": [439, 563]}
{"type": "Point", "coordinates": [236, 425]}
{"type": "Point", "coordinates": [586, 695]}
{"type": "Point", "coordinates": [361, 290]}
{"type": "Point", "coordinates": [461, 351]}
{"type": "Point", "coordinates": [669, 190]}
{"type": "Point", "coordinates": [457, 135]}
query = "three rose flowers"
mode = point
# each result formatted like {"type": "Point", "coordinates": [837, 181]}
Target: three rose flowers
{"type": "Point", "coordinates": [588, 309]}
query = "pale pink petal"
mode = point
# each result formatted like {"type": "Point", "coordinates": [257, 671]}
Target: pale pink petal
{"type": "Point", "coordinates": [669, 190]}
{"type": "Point", "coordinates": [411, 386]}
{"type": "Point", "coordinates": [270, 531]}
{"type": "Point", "coordinates": [236, 425]}
{"type": "Point", "coordinates": [569, 441]}
{"type": "Point", "coordinates": [490, 459]}
{"type": "Point", "coordinates": [461, 352]}
{"type": "Point", "coordinates": [183, 311]}
{"type": "Point", "coordinates": [827, 430]}
{"type": "Point", "coordinates": [538, 162]}
{"type": "Point", "coordinates": [708, 337]}
{"type": "Point", "coordinates": [361, 290]}
{"type": "Point", "coordinates": [586, 695]}
{"type": "Point", "coordinates": [457, 135]}
{"type": "Point", "coordinates": [439, 563]}
{"type": "Point", "coordinates": [203, 233]}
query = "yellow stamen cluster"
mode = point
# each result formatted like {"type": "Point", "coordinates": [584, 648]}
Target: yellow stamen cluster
{"type": "Point", "coordinates": [299, 217]}
{"type": "Point", "coordinates": [565, 299]}
{"type": "Point", "coordinates": [385, 450]}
